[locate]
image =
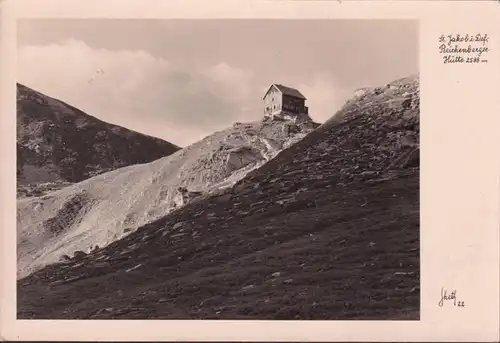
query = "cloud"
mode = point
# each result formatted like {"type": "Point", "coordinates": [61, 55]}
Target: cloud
{"type": "Point", "coordinates": [149, 94]}
{"type": "Point", "coordinates": [237, 81]}
{"type": "Point", "coordinates": [324, 96]}
{"type": "Point", "coordinates": [138, 90]}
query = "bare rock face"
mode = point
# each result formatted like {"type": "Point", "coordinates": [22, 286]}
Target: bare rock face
{"type": "Point", "coordinates": [184, 196]}
{"type": "Point", "coordinates": [382, 125]}
{"type": "Point", "coordinates": [57, 143]}
{"type": "Point", "coordinates": [289, 116]}
{"type": "Point", "coordinates": [240, 157]}
{"type": "Point", "coordinates": [111, 205]}
{"type": "Point", "coordinates": [328, 229]}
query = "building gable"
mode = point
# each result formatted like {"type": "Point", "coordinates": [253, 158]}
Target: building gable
{"type": "Point", "coordinates": [273, 86]}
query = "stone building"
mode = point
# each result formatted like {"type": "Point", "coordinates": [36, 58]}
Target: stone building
{"type": "Point", "coordinates": [282, 99]}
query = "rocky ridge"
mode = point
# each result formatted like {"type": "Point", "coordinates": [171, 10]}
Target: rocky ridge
{"type": "Point", "coordinates": [59, 144]}
{"type": "Point", "coordinates": [328, 229]}
{"type": "Point", "coordinates": [104, 208]}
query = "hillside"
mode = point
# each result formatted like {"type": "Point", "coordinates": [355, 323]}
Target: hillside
{"type": "Point", "coordinates": [58, 144]}
{"type": "Point", "coordinates": [328, 229]}
{"type": "Point", "coordinates": [104, 208]}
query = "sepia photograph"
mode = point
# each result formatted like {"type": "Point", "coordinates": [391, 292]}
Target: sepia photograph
{"type": "Point", "coordinates": [218, 169]}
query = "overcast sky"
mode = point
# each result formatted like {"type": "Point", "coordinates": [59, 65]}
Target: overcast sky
{"type": "Point", "coordinates": [183, 79]}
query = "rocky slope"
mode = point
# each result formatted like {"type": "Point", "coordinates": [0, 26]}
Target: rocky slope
{"type": "Point", "coordinates": [59, 144]}
{"type": "Point", "coordinates": [328, 229]}
{"type": "Point", "coordinates": [99, 210]}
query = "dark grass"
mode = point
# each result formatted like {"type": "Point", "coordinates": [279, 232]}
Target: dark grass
{"type": "Point", "coordinates": [329, 267]}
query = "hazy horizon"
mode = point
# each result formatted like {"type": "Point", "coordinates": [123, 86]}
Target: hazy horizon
{"type": "Point", "coordinates": [181, 80]}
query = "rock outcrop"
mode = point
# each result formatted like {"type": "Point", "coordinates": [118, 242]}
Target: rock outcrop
{"type": "Point", "coordinates": [184, 196]}
{"type": "Point", "coordinates": [118, 202]}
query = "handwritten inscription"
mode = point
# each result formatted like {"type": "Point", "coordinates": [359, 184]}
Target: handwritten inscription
{"type": "Point", "coordinates": [464, 48]}
{"type": "Point", "coordinates": [448, 297]}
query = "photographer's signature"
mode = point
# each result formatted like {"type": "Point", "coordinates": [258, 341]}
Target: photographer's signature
{"type": "Point", "coordinates": [448, 296]}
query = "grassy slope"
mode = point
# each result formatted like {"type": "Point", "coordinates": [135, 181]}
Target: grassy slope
{"type": "Point", "coordinates": [327, 230]}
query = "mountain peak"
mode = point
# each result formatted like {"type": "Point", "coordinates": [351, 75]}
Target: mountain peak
{"type": "Point", "coordinates": [58, 143]}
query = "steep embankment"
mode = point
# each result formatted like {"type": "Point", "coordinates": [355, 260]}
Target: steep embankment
{"type": "Point", "coordinates": [104, 208]}
{"type": "Point", "coordinates": [58, 144]}
{"type": "Point", "coordinates": [329, 229]}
